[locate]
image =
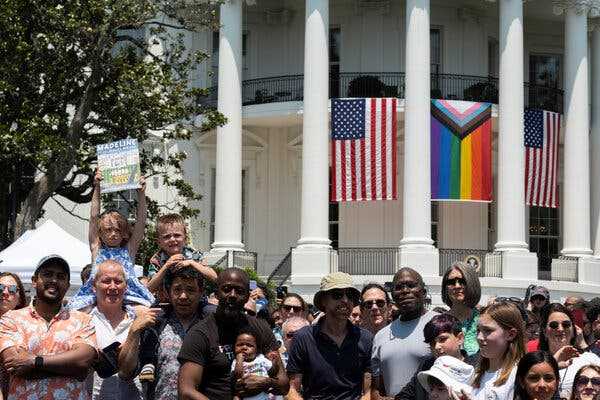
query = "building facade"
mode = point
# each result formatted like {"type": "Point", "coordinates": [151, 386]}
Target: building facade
{"type": "Point", "coordinates": [265, 174]}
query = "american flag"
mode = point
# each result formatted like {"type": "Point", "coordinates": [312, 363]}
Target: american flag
{"type": "Point", "coordinates": [363, 149]}
{"type": "Point", "coordinates": [542, 133]}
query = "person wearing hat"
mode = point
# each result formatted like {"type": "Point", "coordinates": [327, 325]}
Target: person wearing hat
{"type": "Point", "coordinates": [47, 349]}
{"type": "Point", "coordinates": [540, 296]}
{"type": "Point", "coordinates": [331, 359]}
{"type": "Point", "coordinates": [447, 375]}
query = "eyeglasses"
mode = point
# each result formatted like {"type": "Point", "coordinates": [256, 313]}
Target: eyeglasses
{"type": "Point", "coordinates": [585, 380]}
{"type": "Point", "coordinates": [12, 289]}
{"type": "Point", "coordinates": [337, 294]}
{"type": "Point", "coordinates": [509, 299]}
{"type": "Point", "coordinates": [369, 303]}
{"type": "Point", "coordinates": [250, 312]}
{"type": "Point", "coordinates": [555, 324]}
{"type": "Point", "coordinates": [454, 281]}
{"type": "Point", "coordinates": [288, 308]}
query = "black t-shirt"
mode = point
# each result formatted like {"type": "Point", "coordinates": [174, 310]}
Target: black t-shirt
{"type": "Point", "coordinates": [212, 346]}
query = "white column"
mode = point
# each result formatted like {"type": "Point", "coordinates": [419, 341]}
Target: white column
{"type": "Point", "coordinates": [576, 183]}
{"type": "Point", "coordinates": [228, 191]}
{"type": "Point", "coordinates": [416, 246]}
{"type": "Point", "coordinates": [311, 259]}
{"type": "Point", "coordinates": [595, 137]}
{"type": "Point", "coordinates": [511, 163]}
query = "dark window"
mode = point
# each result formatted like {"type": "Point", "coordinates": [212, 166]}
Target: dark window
{"type": "Point", "coordinates": [334, 62]}
{"type": "Point", "coordinates": [334, 219]}
{"type": "Point", "coordinates": [544, 79]}
{"type": "Point", "coordinates": [434, 222]}
{"type": "Point", "coordinates": [544, 234]}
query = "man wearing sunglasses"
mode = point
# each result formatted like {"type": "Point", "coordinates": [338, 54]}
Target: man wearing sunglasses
{"type": "Point", "coordinates": [46, 345]}
{"type": "Point", "coordinates": [402, 342]}
{"type": "Point", "coordinates": [331, 359]}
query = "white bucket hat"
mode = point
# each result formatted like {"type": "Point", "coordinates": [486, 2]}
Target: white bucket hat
{"type": "Point", "coordinates": [453, 373]}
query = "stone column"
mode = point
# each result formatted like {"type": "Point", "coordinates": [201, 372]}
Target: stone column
{"type": "Point", "coordinates": [311, 259]}
{"type": "Point", "coordinates": [595, 136]}
{"type": "Point", "coordinates": [518, 262]}
{"type": "Point", "coordinates": [576, 182]}
{"type": "Point", "coordinates": [416, 246]}
{"type": "Point", "coordinates": [228, 191]}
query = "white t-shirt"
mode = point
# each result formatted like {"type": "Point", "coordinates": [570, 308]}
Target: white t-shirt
{"type": "Point", "coordinates": [567, 375]}
{"type": "Point", "coordinates": [487, 390]}
{"type": "Point", "coordinates": [259, 366]}
{"type": "Point", "coordinates": [112, 388]}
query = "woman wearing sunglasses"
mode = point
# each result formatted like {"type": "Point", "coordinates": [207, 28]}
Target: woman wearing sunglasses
{"type": "Point", "coordinates": [12, 293]}
{"type": "Point", "coordinates": [461, 291]}
{"type": "Point", "coordinates": [292, 306]}
{"type": "Point", "coordinates": [557, 335]}
{"type": "Point", "coordinates": [374, 304]}
{"type": "Point", "coordinates": [587, 383]}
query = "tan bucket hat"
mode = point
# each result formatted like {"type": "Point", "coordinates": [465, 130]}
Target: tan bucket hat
{"type": "Point", "coordinates": [335, 280]}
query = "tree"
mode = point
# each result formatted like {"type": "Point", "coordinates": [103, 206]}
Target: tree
{"type": "Point", "coordinates": [76, 73]}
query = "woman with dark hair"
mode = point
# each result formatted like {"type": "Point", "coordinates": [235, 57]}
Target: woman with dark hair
{"type": "Point", "coordinates": [461, 291]}
{"type": "Point", "coordinates": [375, 305]}
{"type": "Point", "coordinates": [293, 305]}
{"type": "Point", "coordinates": [557, 335]}
{"type": "Point", "coordinates": [537, 377]}
{"type": "Point", "coordinates": [586, 385]}
{"type": "Point", "coordinates": [12, 293]}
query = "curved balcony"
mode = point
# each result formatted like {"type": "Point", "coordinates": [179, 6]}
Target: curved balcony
{"type": "Point", "coordinates": [388, 84]}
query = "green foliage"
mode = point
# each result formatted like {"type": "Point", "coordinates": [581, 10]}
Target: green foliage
{"type": "Point", "coordinates": [77, 73]}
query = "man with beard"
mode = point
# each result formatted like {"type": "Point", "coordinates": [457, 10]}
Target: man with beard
{"type": "Point", "coordinates": [208, 349]}
{"type": "Point", "coordinates": [401, 343]}
{"type": "Point", "coordinates": [154, 343]}
{"type": "Point", "coordinates": [332, 358]}
{"type": "Point", "coordinates": [47, 349]}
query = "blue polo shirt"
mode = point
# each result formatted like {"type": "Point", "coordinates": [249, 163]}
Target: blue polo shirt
{"type": "Point", "coordinates": [330, 372]}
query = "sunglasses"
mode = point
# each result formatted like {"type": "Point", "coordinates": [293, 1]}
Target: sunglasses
{"type": "Point", "coordinates": [454, 281]}
{"type": "Point", "coordinates": [369, 303]}
{"type": "Point", "coordinates": [337, 294]}
{"type": "Point", "coordinates": [585, 380]}
{"type": "Point", "coordinates": [12, 289]}
{"type": "Point", "coordinates": [289, 308]}
{"type": "Point", "coordinates": [555, 324]}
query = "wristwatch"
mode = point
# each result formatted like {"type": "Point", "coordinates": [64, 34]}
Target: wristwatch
{"type": "Point", "coordinates": [39, 362]}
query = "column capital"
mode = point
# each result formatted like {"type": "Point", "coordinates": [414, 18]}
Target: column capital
{"type": "Point", "coordinates": [591, 7]}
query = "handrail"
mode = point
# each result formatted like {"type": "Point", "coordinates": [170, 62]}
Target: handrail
{"type": "Point", "coordinates": [221, 262]}
{"type": "Point", "coordinates": [285, 88]}
{"type": "Point", "coordinates": [282, 272]}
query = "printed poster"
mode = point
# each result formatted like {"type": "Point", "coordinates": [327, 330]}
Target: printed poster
{"type": "Point", "coordinates": [119, 164]}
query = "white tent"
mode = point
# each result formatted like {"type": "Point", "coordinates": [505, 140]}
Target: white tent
{"type": "Point", "coordinates": [23, 255]}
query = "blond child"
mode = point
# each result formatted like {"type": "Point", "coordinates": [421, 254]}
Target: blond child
{"type": "Point", "coordinates": [111, 238]}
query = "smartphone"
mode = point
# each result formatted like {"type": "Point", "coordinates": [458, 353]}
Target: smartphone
{"type": "Point", "coordinates": [281, 292]}
{"type": "Point", "coordinates": [253, 285]}
{"type": "Point", "coordinates": [389, 286]}
{"type": "Point", "coordinates": [578, 317]}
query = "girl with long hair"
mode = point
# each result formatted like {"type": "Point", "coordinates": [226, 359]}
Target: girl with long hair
{"type": "Point", "coordinates": [558, 336]}
{"type": "Point", "coordinates": [537, 377]}
{"type": "Point", "coordinates": [586, 385]}
{"type": "Point", "coordinates": [501, 337]}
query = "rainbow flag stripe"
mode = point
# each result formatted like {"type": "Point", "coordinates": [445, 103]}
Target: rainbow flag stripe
{"type": "Point", "coordinates": [461, 150]}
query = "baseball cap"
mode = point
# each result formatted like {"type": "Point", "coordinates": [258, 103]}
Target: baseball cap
{"type": "Point", "coordinates": [53, 259]}
{"type": "Point", "coordinates": [540, 291]}
{"type": "Point", "coordinates": [453, 373]}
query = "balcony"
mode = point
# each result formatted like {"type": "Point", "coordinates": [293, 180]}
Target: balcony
{"type": "Point", "coordinates": [388, 84]}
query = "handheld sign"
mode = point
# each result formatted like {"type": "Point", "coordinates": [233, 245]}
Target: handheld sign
{"type": "Point", "coordinates": [119, 164]}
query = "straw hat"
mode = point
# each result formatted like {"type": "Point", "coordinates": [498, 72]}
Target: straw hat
{"type": "Point", "coordinates": [335, 280]}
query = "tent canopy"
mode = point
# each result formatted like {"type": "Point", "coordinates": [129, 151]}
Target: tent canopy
{"type": "Point", "coordinates": [23, 255]}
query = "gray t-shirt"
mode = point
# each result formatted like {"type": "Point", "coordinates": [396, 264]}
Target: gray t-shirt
{"type": "Point", "coordinates": [398, 349]}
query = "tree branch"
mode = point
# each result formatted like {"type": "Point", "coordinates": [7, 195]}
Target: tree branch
{"type": "Point", "coordinates": [71, 212]}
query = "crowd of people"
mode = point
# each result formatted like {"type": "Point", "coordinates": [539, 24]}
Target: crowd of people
{"type": "Point", "coordinates": [164, 336]}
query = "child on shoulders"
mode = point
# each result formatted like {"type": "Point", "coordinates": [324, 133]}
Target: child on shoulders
{"type": "Point", "coordinates": [111, 238]}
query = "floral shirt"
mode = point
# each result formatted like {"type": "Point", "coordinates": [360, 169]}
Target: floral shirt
{"type": "Point", "coordinates": [25, 328]}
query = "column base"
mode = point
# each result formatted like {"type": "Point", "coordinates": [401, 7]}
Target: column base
{"type": "Point", "coordinates": [422, 258]}
{"type": "Point", "coordinates": [224, 246]}
{"type": "Point", "coordinates": [576, 252]}
{"type": "Point", "coordinates": [512, 246]}
{"type": "Point", "coordinates": [588, 271]}
{"type": "Point", "coordinates": [310, 264]}
{"type": "Point", "coordinates": [314, 242]}
{"type": "Point", "coordinates": [521, 265]}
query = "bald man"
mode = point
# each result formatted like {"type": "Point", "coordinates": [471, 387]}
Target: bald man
{"type": "Point", "coordinates": [208, 349]}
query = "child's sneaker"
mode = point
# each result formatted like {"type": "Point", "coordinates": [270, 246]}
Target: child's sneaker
{"type": "Point", "coordinates": [147, 373]}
